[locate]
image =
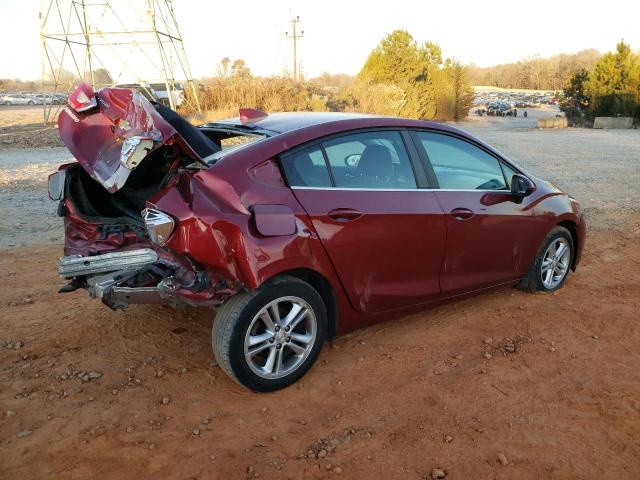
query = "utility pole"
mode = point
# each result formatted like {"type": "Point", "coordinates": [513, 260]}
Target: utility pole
{"type": "Point", "coordinates": [294, 36]}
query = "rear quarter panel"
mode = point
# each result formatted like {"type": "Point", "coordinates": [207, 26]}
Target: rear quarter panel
{"type": "Point", "coordinates": [217, 230]}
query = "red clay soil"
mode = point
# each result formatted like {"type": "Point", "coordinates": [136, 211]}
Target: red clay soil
{"type": "Point", "coordinates": [507, 385]}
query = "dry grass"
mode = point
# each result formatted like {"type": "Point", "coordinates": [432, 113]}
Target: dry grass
{"type": "Point", "coordinates": [212, 115]}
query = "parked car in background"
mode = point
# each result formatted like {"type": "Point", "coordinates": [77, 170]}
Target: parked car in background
{"type": "Point", "coordinates": [18, 99]}
{"type": "Point", "coordinates": [163, 95]}
{"type": "Point", "coordinates": [315, 225]}
{"type": "Point", "coordinates": [38, 99]}
{"type": "Point", "coordinates": [49, 99]}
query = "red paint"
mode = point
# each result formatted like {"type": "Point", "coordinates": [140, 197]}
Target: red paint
{"type": "Point", "coordinates": [384, 253]}
{"type": "Point", "coordinates": [274, 220]}
{"type": "Point", "coordinates": [390, 255]}
{"type": "Point", "coordinates": [251, 115]}
{"type": "Point", "coordinates": [95, 137]}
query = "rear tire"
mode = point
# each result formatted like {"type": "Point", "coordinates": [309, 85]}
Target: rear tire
{"type": "Point", "coordinates": [268, 338]}
{"type": "Point", "coordinates": [551, 266]}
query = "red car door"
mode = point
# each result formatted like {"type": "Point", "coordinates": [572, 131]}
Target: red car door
{"type": "Point", "coordinates": [490, 236]}
{"type": "Point", "coordinates": [384, 236]}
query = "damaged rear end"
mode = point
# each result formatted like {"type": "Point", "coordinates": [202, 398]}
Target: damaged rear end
{"type": "Point", "coordinates": [127, 204]}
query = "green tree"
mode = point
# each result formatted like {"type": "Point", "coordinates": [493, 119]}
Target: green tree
{"type": "Point", "coordinates": [614, 84]}
{"type": "Point", "coordinates": [616, 72]}
{"type": "Point", "coordinates": [462, 92]}
{"type": "Point", "coordinates": [575, 92]}
{"type": "Point", "coordinates": [396, 61]}
{"type": "Point", "coordinates": [424, 86]}
{"type": "Point", "coordinates": [431, 54]}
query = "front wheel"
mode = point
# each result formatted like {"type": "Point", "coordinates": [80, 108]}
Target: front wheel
{"type": "Point", "coordinates": [552, 263]}
{"type": "Point", "coordinates": [268, 338]}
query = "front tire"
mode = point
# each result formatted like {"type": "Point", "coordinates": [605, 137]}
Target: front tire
{"type": "Point", "coordinates": [268, 338]}
{"type": "Point", "coordinates": [552, 263]}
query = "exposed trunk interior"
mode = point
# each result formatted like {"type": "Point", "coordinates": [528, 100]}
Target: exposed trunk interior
{"type": "Point", "coordinates": [94, 203]}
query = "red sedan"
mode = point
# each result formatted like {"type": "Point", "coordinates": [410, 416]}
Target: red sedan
{"type": "Point", "coordinates": [296, 226]}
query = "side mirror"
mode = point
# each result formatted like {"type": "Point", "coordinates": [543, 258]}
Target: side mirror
{"type": "Point", "coordinates": [521, 186]}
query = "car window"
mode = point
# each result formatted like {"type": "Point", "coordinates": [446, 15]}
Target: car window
{"type": "Point", "coordinates": [307, 168]}
{"type": "Point", "coordinates": [372, 160]}
{"type": "Point", "coordinates": [459, 165]}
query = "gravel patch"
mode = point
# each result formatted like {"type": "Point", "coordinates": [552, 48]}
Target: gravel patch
{"type": "Point", "coordinates": [601, 168]}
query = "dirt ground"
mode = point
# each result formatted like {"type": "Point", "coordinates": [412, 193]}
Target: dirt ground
{"type": "Point", "coordinates": [506, 385]}
{"type": "Point", "coordinates": [392, 401]}
{"type": "Point", "coordinates": [23, 127]}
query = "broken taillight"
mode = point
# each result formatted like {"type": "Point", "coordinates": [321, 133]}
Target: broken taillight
{"type": "Point", "coordinates": [82, 98]}
{"type": "Point", "coordinates": [159, 225]}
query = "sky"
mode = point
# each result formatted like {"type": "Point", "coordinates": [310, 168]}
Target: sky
{"type": "Point", "coordinates": [338, 35]}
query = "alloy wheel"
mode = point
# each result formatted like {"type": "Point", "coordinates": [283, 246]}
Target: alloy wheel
{"type": "Point", "coordinates": [280, 337]}
{"type": "Point", "coordinates": [555, 263]}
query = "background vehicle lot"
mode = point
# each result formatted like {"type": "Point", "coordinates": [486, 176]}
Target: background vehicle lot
{"type": "Point", "coordinates": [395, 400]}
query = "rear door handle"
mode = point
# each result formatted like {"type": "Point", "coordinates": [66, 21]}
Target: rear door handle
{"type": "Point", "coordinates": [344, 214]}
{"type": "Point", "coordinates": [462, 213]}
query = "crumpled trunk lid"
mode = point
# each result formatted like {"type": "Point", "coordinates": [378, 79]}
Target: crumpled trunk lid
{"type": "Point", "coordinates": [111, 135]}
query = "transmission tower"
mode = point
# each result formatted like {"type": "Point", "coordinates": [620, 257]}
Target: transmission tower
{"type": "Point", "coordinates": [113, 42]}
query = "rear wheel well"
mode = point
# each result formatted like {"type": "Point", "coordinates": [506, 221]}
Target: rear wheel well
{"type": "Point", "coordinates": [571, 226]}
{"type": "Point", "coordinates": [324, 288]}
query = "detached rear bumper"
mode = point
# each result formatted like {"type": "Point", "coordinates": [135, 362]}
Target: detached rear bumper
{"type": "Point", "coordinates": [139, 276]}
{"type": "Point", "coordinates": [108, 276]}
{"type": "Point", "coordinates": [76, 265]}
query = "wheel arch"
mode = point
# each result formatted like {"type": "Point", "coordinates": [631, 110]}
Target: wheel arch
{"type": "Point", "coordinates": [573, 230]}
{"type": "Point", "coordinates": [326, 291]}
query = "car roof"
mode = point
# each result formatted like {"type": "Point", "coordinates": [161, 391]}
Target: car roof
{"type": "Point", "coordinates": [285, 131]}
{"type": "Point", "coordinates": [285, 122]}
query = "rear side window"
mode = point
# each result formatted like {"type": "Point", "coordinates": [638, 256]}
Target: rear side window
{"type": "Point", "coordinates": [366, 160]}
{"type": "Point", "coordinates": [307, 168]}
{"type": "Point", "coordinates": [370, 160]}
{"type": "Point", "coordinates": [459, 165]}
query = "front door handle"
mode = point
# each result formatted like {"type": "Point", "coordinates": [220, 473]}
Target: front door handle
{"type": "Point", "coordinates": [344, 214]}
{"type": "Point", "coordinates": [462, 213]}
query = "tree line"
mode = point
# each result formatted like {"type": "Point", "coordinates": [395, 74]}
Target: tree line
{"type": "Point", "coordinates": [61, 81]}
{"type": "Point", "coordinates": [535, 73]}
